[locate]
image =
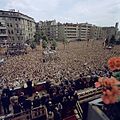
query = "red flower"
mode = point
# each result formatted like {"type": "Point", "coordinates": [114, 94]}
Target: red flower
{"type": "Point", "coordinates": [97, 84]}
{"type": "Point", "coordinates": [114, 63]}
{"type": "Point", "coordinates": [110, 89]}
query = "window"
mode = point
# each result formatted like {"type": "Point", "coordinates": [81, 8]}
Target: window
{"type": "Point", "coordinates": [16, 25]}
{"type": "Point", "coordinates": [13, 38]}
{"type": "Point", "coordinates": [11, 25]}
{"type": "Point", "coordinates": [8, 24]}
{"type": "Point", "coordinates": [11, 31]}
{"type": "Point", "coordinates": [18, 38]}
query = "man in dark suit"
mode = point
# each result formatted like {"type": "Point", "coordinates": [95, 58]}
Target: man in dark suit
{"type": "Point", "coordinates": [27, 104]}
{"type": "Point", "coordinates": [17, 108]}
{"type": "Point", "coordinates": [36, 102]}
{"type": "Point", "coordinates": [21, 99]}
{"type": "Point", "coordinates": [5, 103]}
{"type": "Point", "coordinates": [29, 88]}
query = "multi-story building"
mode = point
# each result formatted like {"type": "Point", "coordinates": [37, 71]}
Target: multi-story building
{"type": "Point", "coordinates": [97, 33]}
{"type": "Point", "coordinates": [118, 35]}
{"type": "Point", "coordinates": [68, 31]}
{"type": "Point", "coordinates": [110, 31]}
{"type": "Point", "coordinates": [71, 31]}
{"type": "Point", "coordinates": [85, 31]}
{"type": "Point", "coordinates": [49, 28]}
{"type": "Point", "coordinates": [3, 32]}
{"type": "Point", "coordinates": [19, 27]}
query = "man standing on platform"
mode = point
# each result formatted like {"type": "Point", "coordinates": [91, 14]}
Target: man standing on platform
{"type": "Point", "coordinates": [29, 88]}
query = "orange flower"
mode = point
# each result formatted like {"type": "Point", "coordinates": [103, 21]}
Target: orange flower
{"type": "Point", "coordinates": [114, 63]}
{"type": "Point", "coordinates": [108, 92]}
{"type": "Point", "coordinates": [105, 99]}
{"type": "Point", "coordinates": [109, 88]}
{"type": "Point", "coordinates": [117, 63]}
{"type": "Point", "coordinates": [97, 84]}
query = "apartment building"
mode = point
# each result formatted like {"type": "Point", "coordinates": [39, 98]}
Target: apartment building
{"type": "Point", "coordinates": [3, 32]}
{"type": "Point", "coordinates": [19, 27]}
{"type": "Point", "coordinates": [68, 31]}
{"type": "Point", "coordinates": [49, 28]}
{"type": "Point", "coordinates": [71, 31]}
{"type": "Point", "coordinates": [97, 33]}
{"type": "Point", "coordinates": [84, 31]}
{"type": "Point", "coordinates": [110, 31]}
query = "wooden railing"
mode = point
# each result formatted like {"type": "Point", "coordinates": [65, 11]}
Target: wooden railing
{"type": "Point", "coordinates": [89, 95]}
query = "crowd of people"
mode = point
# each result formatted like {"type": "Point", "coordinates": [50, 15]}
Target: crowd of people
{"type": "Point", "coordinates": [76, 59]}
{"type": "Point", "coordinates": [76, 67]}
{"type": "Point", "coordinates": [59, 100]}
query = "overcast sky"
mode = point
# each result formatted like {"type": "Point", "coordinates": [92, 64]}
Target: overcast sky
{"type": "Point", "coordinates": [99, 12]}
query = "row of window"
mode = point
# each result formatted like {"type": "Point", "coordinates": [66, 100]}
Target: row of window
{"type": "Point", "coordinates": [70, 28]}
{"type": "Point", "coordinates": [70, 31]}
{"type": "Point", "coordinates": [9, 13]}
{"type": "Point", "coordinates": [11, 25]}
{"type": "Point", "coordinates": [2, 31]}
{"type": "Point", "coordinates": [71, 37]}
{"type": "Point", "coordinates": [71, 34]}
{"type": "Point", "coordinates": [13, 38]}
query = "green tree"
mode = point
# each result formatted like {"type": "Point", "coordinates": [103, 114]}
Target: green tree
{"type": "Point", "coordinates": [44, 44]}
{"type": "Point", "coordinates": [53, 44]}
{"type": "Point", "coordinates": [37, 37]}
{"type": "Point", "coordinates": [65, 42]}
{"type": "Point", "coordinates": [112, 40]}
{"type": "Point", "coordinates": [33, 45]}
{"type": "Point", "coordinates": [45, 38]}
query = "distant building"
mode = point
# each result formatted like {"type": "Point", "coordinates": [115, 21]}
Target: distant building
{"type": "Point", "coordinates": [16, 27]}
{"type": "Point", "coordinates": [97, 33]}
{"type": "Point", "coordinates": [84, 31]}
{"type": "Point", "coordinates": [49, 28]}
{"type": "Point", "coordinates": [110, 31]}
{"type": "Point", "coordinates": [3, 32]}
{"type": "Point", "coordinates": [79, 31]}
{"type": "Point", "coordinates": [68, 31]}
{"type": "Point", "coordinates": [118, 35]}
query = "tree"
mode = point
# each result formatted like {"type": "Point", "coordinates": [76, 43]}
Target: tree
{"type": "Point", "coordinates": [45, 38]}
{"type": "Point", "coordinates": [37, 37]}
{"type": "Point", "coordinates": [33, 45]}
{"type": "Point", "coordinates": [44, 44]}
{"type": "Point", "coordinates": [112, 40]}
{"type": "Point", "coordinates": [65, 42]}
{"type": "Point", "coordinates": [53, 44]}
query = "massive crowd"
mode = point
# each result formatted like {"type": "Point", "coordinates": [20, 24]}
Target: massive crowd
{"type": "Point", "coordinates": [78, 58]}
{"type": "Point", "coordinates": [76, 67]}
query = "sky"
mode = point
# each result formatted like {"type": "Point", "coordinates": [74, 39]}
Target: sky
{"type": "Point", "coordinates": [98, 12]}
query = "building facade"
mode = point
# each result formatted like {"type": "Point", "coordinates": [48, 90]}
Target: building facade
{"type": "Point", "coordinates": [110, 31]}
{"type": "Point", "coordinates": [19, 27]}
{"type": "Point", "coordinates": [97, 33]}
{"type": "Point", "coordinates": [79, 31]}
{"type": "Point", "coordinates": [3, 32]}
{"type": "Point", "coordinates": [85, 31]}
{"type": "Point", "coordinates": [49, 28]}
{"type": "Point", "coordinates": [68, 31]}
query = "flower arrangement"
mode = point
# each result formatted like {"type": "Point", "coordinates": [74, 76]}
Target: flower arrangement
{"type": "Point", "coordinates": [114, 63]}
{"type": "Point", "coordinates": [110, 89]}
{"type": "Point", "coordinates": [110, 86]}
